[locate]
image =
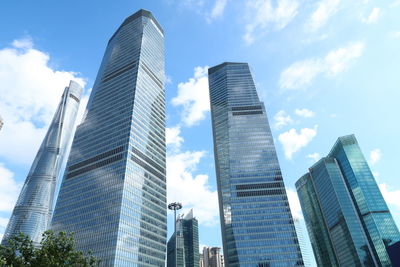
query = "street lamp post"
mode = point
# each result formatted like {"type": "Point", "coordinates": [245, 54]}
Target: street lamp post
{"type": "Point", "coordinates": [175, 206]}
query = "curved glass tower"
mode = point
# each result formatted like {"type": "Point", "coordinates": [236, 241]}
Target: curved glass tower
{"type": "Point", "coordinates": [256, 224]}
{"type": "Point", "coordinates": [33, 210]}
{"type": "Point", "coordinates": [113, 196]}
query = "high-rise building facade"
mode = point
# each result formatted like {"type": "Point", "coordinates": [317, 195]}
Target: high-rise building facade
{"type": "Point", "coordinates": [113, 196]}
{"type": "Point", "coordinates": [302, 242]}
{"type": "Point", "coordinates": [34, 208]}
{"type": "Point", "coordinates": [201, 262]}
{"type": "Point", "coordinates": [188, 243]}
{"type": "Point", "coordinates": [212, 257]}
{"type": "Point", "coordinates": [190, 228]}
{"type": "Point", "coordinates": [176, 253]}
{"type": "Point", "coordinates": [347, 218]}
{"type": "Point", "coordinates": [256, 223]}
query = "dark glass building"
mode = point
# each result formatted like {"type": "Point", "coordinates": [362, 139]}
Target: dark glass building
{"type": "Point", "coordinates": [176, 253]}
{"type": "Point", "coordinates": [256, 223]}
{"type": "Point", "coordinates": [34, 208]}
{"type": "Point", "coordinates": [347, 218]}
{"type": "Point", "coordinates": [188, 243]}
{"type": "Point", "coordinates": [113, 196]}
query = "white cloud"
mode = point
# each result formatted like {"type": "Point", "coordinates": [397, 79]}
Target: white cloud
{"type": "Point", "coordinates": [305, 113]}
{"type": "Point", "coordinates": [394, 34]}
{"type": "Point", "coordinates": [9, 189]}
{"type": "Point", "coordinates": [302, 73]}
{"type": "Point", "coordinates": [266, 15]}
{"type": "Point", "coordinates": [282, 119]}
{"type": "Point", "coordinates": [314, 156]}
{"type": "Point", "coordinates": [292, 141]}
{"type": "Point", "coordinates": [395, 3]}
{"type": "Point", "coordinates": [173, 137]}
{"type": "Point", "coordinates": [373, 16]}
{"type": "Point", "coordinates": [391, 197]}
{"type": "Point", "coordinates": [193, 95]}
{"type": "Point", "coordinates": [3, 222]}
{"type": "Point", "coordinates": [324, 11]}
{"type": "Point", "coordinates": [374, 156]}
{"type": "Point", "coordinates": [25, 43]}
{"type": "Point", "coordinates": [193, 191]}
{"type": "Point", "coordinates": [338, 60]}
{"type": "Point", "coordinates": [294, 203]}
{"type": "Point", "coordinates": [30, 91]}
{"type": "Point", "coordinates": [218, 9]}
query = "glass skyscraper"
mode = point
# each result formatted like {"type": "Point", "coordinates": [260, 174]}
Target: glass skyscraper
{"type": "Point", "coordinates": [256, 223]}
{"type": "Point", "coordinates": [347, 218]}
{"type": "Point", "coordinates": [176, 253]}
{"type": "Point", "coordinates": [34, 208]}
{"type": "Point", "coordinates": [113, 196]}
{"type": "Point", "coordinates": [188, 243]}
{"type": "Point", "coordinates": [190, 227]}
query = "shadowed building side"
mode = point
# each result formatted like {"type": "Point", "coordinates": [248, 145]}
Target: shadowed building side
{"type": "Point", "coordinates": [33, 210]}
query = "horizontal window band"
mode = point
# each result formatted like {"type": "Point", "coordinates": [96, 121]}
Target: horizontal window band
{"type": "Point", "coordinates": [258, 186]}
{"type": "Point", "coordinates": [254, 193]}
{"type": "Point", "coordinates": [95, 166]}
{"type": "Point", "coordinates": [118, 72]}
{"type": "Point", "coordinates": [148, 168]}
{"type": "Point", "coordinates": [246, 108]}
{"type": "Point", "coordinates": [96, 158]}
{"type": "Point", "coordinates": [375, 212]}
{"type": "Point", "coordinates": [247, 112]}
{"type": "Point", "coordinates": [148, 160]}
{"type": "Point", "coordinates": [74, 97]}
{"type": "Point", "coordinates": [152, 75]}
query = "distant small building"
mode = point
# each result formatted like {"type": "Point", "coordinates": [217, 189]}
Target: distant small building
{"type": "Point", "coordinates": [201, 261]}
{"type": "Point", "coordinates": [187, 249]}
{"type": "Point", "coordinates": [212, 257]}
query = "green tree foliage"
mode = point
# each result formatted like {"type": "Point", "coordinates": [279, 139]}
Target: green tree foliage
{"type": "Point", "coordinates": [55, 250]}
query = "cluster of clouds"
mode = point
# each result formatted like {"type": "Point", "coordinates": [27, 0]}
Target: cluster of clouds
{"type": "Point", "coordinates": [184, 184]}
{"type": "Point", "coordinates": [210, 10]}
{"type": "Point", "coordinates": [266, 15]}
{"type": "Point", "coordinates": [303, 72]}
{"type": "Point", "coordinates": [294, 140]}
{"type": "Point", "coordinates": [30, 91]}
{"type": "Point", "coordinates": [193, 96]}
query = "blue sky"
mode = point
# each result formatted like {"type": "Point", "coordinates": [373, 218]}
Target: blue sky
{"type": "Point", "coordinates": [323, 68]}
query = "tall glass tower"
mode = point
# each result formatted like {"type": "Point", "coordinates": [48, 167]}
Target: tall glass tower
{"type": "Point", "coordinates": [256, 222]}
{"type": "Point", "coordinates": [34, 208]}
{"type": "Point", "coordinates": [113, 196]}
{"type": "Point", "coordinates": [347, 218]}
